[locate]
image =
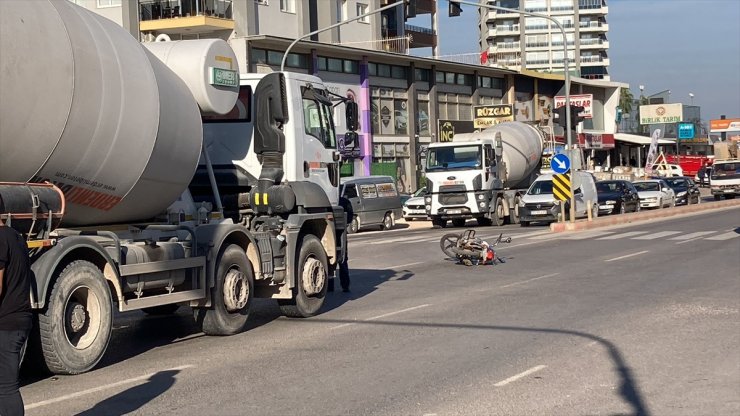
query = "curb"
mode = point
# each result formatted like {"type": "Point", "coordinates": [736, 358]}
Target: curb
{"type": "Point", "coordinates": [636, 217]}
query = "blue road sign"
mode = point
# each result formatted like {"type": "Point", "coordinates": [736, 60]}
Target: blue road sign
{"type": "Point", "coordinates": [686, 131]}
{"type": "Point", "coordinates": [560, 163]}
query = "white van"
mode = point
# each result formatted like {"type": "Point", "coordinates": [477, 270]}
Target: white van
{"type": "Point", "coordinates": [539, 204]}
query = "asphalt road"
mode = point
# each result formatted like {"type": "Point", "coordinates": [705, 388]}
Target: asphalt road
{"type": "Point", "coordinates": [632, 320]}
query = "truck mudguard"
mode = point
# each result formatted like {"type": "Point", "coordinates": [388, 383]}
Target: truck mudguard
{"type": "Point", "coordinates": [310, 195]}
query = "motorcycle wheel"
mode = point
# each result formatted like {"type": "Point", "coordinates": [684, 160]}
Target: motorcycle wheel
{"type": "Point", "coordinates": [447, 242]}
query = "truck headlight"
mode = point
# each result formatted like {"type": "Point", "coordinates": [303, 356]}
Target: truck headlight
{"type": "Point", "coordinates": [480, 197]}
{"type": "Point", "coordinates": [428, 207]}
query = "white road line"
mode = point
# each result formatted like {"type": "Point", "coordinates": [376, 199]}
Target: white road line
{"type": "Point", "coordinates": [628, 255]}
{"type": "Point", "coordinates": [530, 280]}
{"type": "Point", "coordinates": [100, 388]}
{"type": "Point", "coordinates": [396, 240]}
{"type": "Point", "coordinates": [588, 234]}
{"type": "Point", "coordinates": [725, 236]}
{"type": "Point", "coordinates": [385, 315]}
{"type": "Point", "coordinates": [622, 235]}
{"type": "Point", "coordinates": [403, 265]}
{"type": "Point", "coordinates": [548, 236]}
{"type": "Point", "coordinates": [689, 241]}
{"type": "Point", "coordinates": [655, 236]}
{"type": "Point", "coordinates": [520, 375]}
{"type": "Point", "coordinates": [692, 236]}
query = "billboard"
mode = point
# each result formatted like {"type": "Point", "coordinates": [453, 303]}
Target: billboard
{"type": "Point", "coordinates": [723, 125]}
{"type": "Point", "coordinates": [489, 115]}
{"type": "Point", "coordinates": [661, 113]}
{"type": "Point", "coordinates": [583, 100]}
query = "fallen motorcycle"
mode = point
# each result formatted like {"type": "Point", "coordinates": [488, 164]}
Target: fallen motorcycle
{"type": "Point", "coordinates": [469, 250]}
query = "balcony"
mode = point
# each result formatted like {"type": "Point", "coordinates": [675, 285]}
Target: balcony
{"type": "Point", "coordinates": [508, 45]}
{"type": "Point", "coordinates": [421, 37]}
{"type": "Point", "coordinates": [593, 26]}
{"type": "Point", "coordinates": [400, 44]}
{"type": "Point", "coordinates": [594, 44]}
{"type": "Point", "coordinates": [594, 60]}
{"type": "Point", "coordinates": [594, 10]}
{"type": "Point", "coordinates": [503, 29]}
{"type": "Point", "coordinates": [185, 16]}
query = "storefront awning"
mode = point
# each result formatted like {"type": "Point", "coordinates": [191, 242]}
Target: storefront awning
{"type": "Point", "coordinates": [635, 139]}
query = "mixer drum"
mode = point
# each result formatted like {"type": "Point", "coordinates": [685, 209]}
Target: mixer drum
{"type": "Point", "coordinates": [86, 107]}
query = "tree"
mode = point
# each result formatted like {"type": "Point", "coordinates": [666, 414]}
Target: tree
{"type": "Point", "coordinates": [625, 100]}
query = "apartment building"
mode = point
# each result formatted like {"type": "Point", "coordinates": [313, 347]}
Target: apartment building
{"type": "Point", "coordinates": [517, 41]}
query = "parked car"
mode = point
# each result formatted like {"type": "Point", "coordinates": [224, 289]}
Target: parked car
{"type": "Point", "coordinates": [419, 192]}
{"type": "Point", "coordinates": [655, 193]}
{"type": "Point", "coordinates": [617, 197]}
{"type": "Point", "coordinates": [539, 203]}
{"type": "Point", "coordinates": [413, 207]}
{"type": "Point", "coordinates": [375, 201]}
{"type": "Point", "coordinates": [667, 170]}
{"type": "Point", "coordinates": [687, 191]}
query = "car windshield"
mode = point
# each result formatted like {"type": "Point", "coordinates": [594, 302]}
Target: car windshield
{"type": "Point", "coordinates": [677, 182]}
{"type": "Point", "coordinates": [647, 186]}
{"type": "Point", "coordinates": [540, 188]}
{"type": "Point", "coordinates": [420, 192]}
{"type": "Point", "coordinates": [454, 157]}
{"type": "Point", "coordinates": [607, 187]}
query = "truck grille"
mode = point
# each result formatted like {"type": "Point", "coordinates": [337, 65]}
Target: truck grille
{"type": "Point", "coordinates": [453, 199]}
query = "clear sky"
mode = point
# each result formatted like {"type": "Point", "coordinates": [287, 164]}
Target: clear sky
{"type": "Point", "coordinates": [685, 46]}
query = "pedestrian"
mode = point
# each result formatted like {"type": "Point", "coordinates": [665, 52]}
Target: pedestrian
{"type": "Point", "coordinates": [343, 267]}
{"type": "Point", "coordinates": [702, 174]}
{"type": "Point", "coordinates": [15, 314]}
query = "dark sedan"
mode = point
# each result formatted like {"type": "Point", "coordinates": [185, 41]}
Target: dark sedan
{"type": "Point", "coordinates": [687, 192]}
{"type": "Point", "coordinates": [617, 197]}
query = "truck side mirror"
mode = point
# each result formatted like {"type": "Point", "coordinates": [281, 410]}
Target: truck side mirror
{"type": "Point", "coordinates": [351, 115]}
{"type": "Point", "coordinates": [350, 138]}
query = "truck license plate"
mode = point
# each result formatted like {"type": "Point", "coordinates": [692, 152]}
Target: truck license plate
{"type": "Point", "coordinates": [539, 212]}
{"type": "Point", "coordinates": [454, 211]}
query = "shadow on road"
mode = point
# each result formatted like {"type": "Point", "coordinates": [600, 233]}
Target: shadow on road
{"type": "Point", "coordinates": [628, 389]}
{"type": "Point", "coordinates": [134, 398]}
{"type": "Point", "coordinates": [362, 283]}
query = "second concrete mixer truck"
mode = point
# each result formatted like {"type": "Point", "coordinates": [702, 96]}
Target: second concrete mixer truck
{"type": "Point", "coordinates": [482, 175]}
{"type": "Point", "coordinates": [149, 178]}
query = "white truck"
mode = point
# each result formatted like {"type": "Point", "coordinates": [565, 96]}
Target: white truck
{"type": "Point", "coordinates": [725, 178]}
{"type": "Point", "coordinates": [482, 175]}
{"type": "Point", "coordinates": [148, 178]}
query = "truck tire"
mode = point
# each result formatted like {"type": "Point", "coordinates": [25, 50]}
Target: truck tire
{"type": "Point", "coordinates": [162, 309]}
{"type": "Point", "coordinates": [231, 297]}
{"type": "Point", "coordinates": [438, 222]}
{"type": "Point", "coordinates": [458, 222]}
{"type": "Point", "coordinates": [498, 214]}
{"type": "Point", "coordinates": [76, 325]}
{"type": "Point", "coordinates": [312, 279]}
{"type": "Point", "coordinates": [514, 215]}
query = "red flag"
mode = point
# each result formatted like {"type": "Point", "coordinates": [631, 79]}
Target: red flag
{"type": "Point", "coordinates": [484, 57]}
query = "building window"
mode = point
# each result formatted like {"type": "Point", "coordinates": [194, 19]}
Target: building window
{"type": "Point", "coordinates": [421, 74]}
{"type": "Point", "coordinates": [389, 110]}
{"type": "Point", "coordinates": [108, 3]}
{"type": "Point", "coordinates": [287, 6]}
{"type": "Point", "coordinates": [346, 66]}
{"type": "Point", "coordinates": [262, 56]}
{"type": "Point", "coordinates": [362, 9]}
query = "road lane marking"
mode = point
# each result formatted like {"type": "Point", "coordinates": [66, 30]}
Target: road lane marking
{"type": "Point", "coordinates": [385, 315]}
{"type": "Point", "coordinates": [404, 265]}
{"type": "Point", "coordinates": [530, 280]}
{"type": "Point", "coordinates": [623, 235]}
{"type": "Point", "coordinates": [100, 388]}
{"type": "Point", "coordinates": [723, 237]}
{"type": "Point", "coordinates": [588, 234]}
{"type": "Point", "coordinates": [689, 241]}
{"type": "Point", "coordinates": [520, 375]}
{"type": "Point", "coordinates": [655, 236]}
{"type": "Point", "coordinates": [628, 255]}
{"type": "Point", "coordinates": [692, 236]}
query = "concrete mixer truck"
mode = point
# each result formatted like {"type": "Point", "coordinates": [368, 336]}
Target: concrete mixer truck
{"type": "Point", "coordinates": [482, 175]}
{"type": "Point", "coordinates": [154, 177]}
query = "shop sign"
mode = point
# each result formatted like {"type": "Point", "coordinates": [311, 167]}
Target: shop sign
{"type": "Point", "coordinates": [490, 115]}
{"type": "Point", "coordinates": [582, 100]}
{"type": "Point", "coordinates": [661, 113]}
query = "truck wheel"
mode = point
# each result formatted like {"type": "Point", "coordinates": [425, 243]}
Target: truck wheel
{"type": "Point", "coordinates": [76, 325]}
{"type": "Point", "coordinates": [458, 222]}
{"type": "Point", "coordinates": [438, 222]}
{"type": "Point", "coordinates": [312, 277]}
{"type": "Point", "coordinates": [514, 215]}
{"type": "Point", "coordinates": [387, 221]}
{"type": "Point", "coordinates": [231, 297]}
{"type": "Point", "coordinates": [499, 215]}
{"type": "Point", "coordinates": [162, 309]}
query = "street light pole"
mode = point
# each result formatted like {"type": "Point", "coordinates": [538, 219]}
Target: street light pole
{"type": "Point", "coordinates": [362, 16]}
{"type": "Point", "coordinates": [566, 69]}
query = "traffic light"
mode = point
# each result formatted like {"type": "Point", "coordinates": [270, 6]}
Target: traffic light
{"type": "Point", "coordinates": [575, 110]}
{"type": "Point", "coordinates": [455, 9]}
{"type": "Point", "coordinates": [561, 120]}
{"type": "Point", "coordinates": [410, 8]}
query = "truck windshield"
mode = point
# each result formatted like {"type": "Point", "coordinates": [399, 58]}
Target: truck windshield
{"type": "Point", "coordinates": [726, 171]}
{"type": "Point", "coordinates": [318, 122]}
{"type": "Point", "coordinates": [454, 158]}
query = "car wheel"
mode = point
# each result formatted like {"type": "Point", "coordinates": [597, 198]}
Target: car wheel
{"type": "Point", "coordinates": [354, 225]}
{"type": "Point", "coordinates": [387, 221]}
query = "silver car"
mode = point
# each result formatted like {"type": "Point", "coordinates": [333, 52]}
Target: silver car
{"type": "Point", "coordinates": [655, 193]}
